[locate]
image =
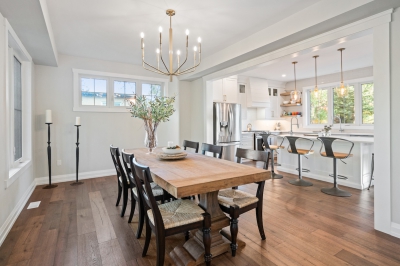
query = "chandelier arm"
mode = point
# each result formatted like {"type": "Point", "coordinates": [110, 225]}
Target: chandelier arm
{"type": "Point", "coordinates": [176, 71]}
{"type": "Point", "coordinates": [162, 60]}
{"type": "Point", "coordinates": [155, 69]}
{"type": "Point", "coordinates": [193, 68]}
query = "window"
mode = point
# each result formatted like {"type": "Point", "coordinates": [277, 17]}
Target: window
{"type": "Point", "coordinates": [367, 98]}
{"type": "Point", "coordinates": [123, 91]}
{"type": "Point", "coordinates": [94, 91]}
{"type": "Point", "coordinates": [326, 106]}
{"type": "Point", "coordinates": [107, 92]}
{"type": "Point", "coordinates": [343, 107]}
{"type": "Point", "coordinates": [17, 110]}
{"type": "Point", "coordinates": [319, 107]}
{"type": "Point", "coordinates": [151, 91]}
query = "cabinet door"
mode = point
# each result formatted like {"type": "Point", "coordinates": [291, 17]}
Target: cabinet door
{"type": "Point", "coordinates": [230, 90]}
{"type": "Point", "coordinates": [217, 91]}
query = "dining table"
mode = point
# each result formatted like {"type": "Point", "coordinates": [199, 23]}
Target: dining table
{"type": "Point", "coordinates": [202, 175]}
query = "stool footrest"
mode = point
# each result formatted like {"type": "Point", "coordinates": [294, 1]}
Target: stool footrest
{"type": "Point", "coordinates": [340, 177]}
{"type": "Point", "coordinates": [304, 170]}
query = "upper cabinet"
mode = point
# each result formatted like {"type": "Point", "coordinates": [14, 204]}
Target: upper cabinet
{"type": "Point", "coordinates": [257, 93]}
{"type": "Point", "coordinates": [225, 90]}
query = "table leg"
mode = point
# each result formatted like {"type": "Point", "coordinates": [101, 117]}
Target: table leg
{"type": "Point", "coordinates": [192, 252]}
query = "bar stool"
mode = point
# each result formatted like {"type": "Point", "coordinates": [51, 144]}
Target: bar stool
{"type": "Point", "coordinates": [300, 152]}
{"type": "Point", "coordinates": [327, 144]}
{"type": "Point", "coordinates": [271, 149]}
{"type": "Point", "coordinates": [372, 171]}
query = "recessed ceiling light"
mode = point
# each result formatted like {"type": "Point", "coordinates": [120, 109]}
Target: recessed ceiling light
{"type": "Point", "coordinates": [283, 75]}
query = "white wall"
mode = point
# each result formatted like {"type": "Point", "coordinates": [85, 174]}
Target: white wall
{"type": "Point", "coordinates": [12, 197]}
{"type": "Point", "coordinates": [98, 130]}
{"type": "Point", "coordinates": [395, 121]}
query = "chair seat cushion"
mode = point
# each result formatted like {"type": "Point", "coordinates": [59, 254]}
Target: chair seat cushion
{"type": "Point", "coordinates": [177, 213]}
{"type": "Point", "coordinates": [230, 197]}
{"type": "Point", "coordinates": [338, 155]}
{"type": "Point", "coordinates": [276, 147]}
{"type": "Point", "coordinates": [157, 190]}
{"type": "Point", "coordinates": [302, 152]}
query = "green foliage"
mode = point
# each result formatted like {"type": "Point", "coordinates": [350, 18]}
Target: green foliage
{"type": "Point", "coordinates": [156, 111]}
{"type": "Point", "coordinates": [367, 103]}
{"type": "Point", "coordinates": [319, 107]}
{"type": "Point", "coordinates": [344, 106]}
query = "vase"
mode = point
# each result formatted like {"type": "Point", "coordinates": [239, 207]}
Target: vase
{"type": "Point", "coordinates": [150, 139]}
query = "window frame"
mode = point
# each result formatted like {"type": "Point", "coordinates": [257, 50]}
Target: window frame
{"type": "Point", "coordinates": [15, 48]}
{"type": "Point", "coordinates": [110, 77]}
{"type": "Point", "coordinates": [357, 104]}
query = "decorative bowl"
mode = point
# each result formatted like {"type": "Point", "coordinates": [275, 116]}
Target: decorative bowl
{"type": "Point", "coordinates": [171, 151]}
{"type": "Point", "coordinates": [285, 102]}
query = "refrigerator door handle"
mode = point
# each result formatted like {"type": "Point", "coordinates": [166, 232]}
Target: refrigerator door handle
{"type": "Point", "coordinates": [230, 122]}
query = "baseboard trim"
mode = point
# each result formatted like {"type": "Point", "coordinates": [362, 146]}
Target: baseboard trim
{"type": "Point", "coordinates": [329, 179]}
{"type": "Point", "coordinates": [72, 177]}
{"type": "Point", "coordinates": [8, 224]}
{"type": "Point", "coordinates": [395, 229]}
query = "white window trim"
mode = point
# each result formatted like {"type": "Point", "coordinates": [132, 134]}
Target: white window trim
{"type": "Point", "coordinates": [110, 77]}
{"type": "Point", "coordinates": [15, 48]}
{"type": "Point", "coordinates": [357, 102]}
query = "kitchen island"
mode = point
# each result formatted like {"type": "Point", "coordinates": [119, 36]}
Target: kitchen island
{"type": "Point", "coordinates": [356, 168]}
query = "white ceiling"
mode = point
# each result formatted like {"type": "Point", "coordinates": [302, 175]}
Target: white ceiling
{"type": "Point", "coordinates": [110, 30]}
{"type": "Point", "coordinates": [358, 53]}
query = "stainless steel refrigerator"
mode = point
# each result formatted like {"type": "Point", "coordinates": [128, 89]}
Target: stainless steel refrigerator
{"type": "Point", "coordinates": [227, 128]}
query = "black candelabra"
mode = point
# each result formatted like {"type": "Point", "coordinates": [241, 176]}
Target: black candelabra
{"type": "Point", "coordinates": [49, 157]}
{"type": "Point", "coordinates": [77, 182]}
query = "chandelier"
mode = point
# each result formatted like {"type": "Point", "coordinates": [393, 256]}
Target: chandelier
{"type": "Point", "coordinates": [169, 70]}
{"type": "Point", "coordinates": [342, 91]}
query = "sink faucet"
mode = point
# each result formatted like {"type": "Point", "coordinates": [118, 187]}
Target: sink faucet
{"type": "Point", "coordinates": [291, 124]}
{"type": "Point", "coordinates": [340, 125]}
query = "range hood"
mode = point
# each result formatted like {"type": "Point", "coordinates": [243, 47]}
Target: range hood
{"type": "Point", "coordinates": [257, 95]}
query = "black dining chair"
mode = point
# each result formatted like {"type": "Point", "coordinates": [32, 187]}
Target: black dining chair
{"type": "Point", "coordinates": [191, 144]}
{"type": "Point", "coordinates": [158, 192]}
{"type": "Point", "coordinates": [122, 180]}
{"type": "Point", "coordinates": [171, 218]}
{"type": "Point", "coordinates": [215, 149]}
{"type": "Point", "coordinates": [236, 202]}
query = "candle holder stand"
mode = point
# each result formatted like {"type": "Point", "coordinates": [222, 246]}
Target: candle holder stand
{"type": "Point", "coordinates": [49, 186]}
{"type": "Point", "coordinates": [77, 182]}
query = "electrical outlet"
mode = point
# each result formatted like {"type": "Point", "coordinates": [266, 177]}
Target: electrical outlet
{"type": "Point", "coordinates": [58, 162]}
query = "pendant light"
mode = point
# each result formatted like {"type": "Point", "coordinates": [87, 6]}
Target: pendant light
{"type": "Point", "coordinates": [342, 91]}
{"type": "Point", "coordinates": [316, 82]}
{"type": "Point", "coordinates": [294, 95]}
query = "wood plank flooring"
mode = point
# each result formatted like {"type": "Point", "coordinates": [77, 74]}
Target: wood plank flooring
{"type": "Point", "coordinates": [80, 225]}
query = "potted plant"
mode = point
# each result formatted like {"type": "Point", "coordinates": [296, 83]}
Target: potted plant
{"type": "Point", "coordinates": [152, 112]}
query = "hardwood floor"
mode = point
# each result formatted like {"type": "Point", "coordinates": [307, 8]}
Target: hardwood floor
{"type": "Point", "coordinates": [80, 225]}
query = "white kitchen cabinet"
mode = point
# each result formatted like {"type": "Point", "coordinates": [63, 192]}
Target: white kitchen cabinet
{"type": "Point", "coordinates": [225, 90]}
{"type": "Point", "coordinates": [273, 109]}
{"type": "Point", "coordinates": [247, 141]}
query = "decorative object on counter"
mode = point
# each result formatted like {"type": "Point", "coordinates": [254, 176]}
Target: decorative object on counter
{"type": "Point", "coordinates": [329, 153]}
{"type": "Point", "coordinates": [342, 91]}
{"type": "Point", "coordinates": [278, 126]}
{"type": "Point", "coordinates": [316, 82]}
{"type": "Point", "coordinates": [77, 124]}
{"type": "Point", "coordinates": [170, 71]}
{"type": "Point", "coordinates": [294, 95]}
{"type": "Point", "coordinates": [326, 132]}
{"type": "Point", "coordinates": [49, 121]}
{"type": "Point", "coordinates": [249, 127]}
{"type": "Point", "coordinates": [152, 112]}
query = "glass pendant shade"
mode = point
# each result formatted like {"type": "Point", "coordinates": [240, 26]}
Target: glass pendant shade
{"type": "Point", "coordinates": [316, 91]}
{"type": "Point", "coordinates": [342, 91]}
{"type": "Point", "coordinates": [294, 95]}
{"type": "Point", "coordinates": [316, 82]}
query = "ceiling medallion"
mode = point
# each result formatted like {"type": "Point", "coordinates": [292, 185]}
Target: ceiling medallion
{"type": "Point", "coordinates": [169, 70]}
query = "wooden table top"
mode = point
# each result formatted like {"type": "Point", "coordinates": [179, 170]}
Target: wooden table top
{"type": "Point", "coordinates": [197, 173]}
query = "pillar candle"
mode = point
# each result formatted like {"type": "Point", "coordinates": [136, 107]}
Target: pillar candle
{"type": "Point", "coordinates": [78, 121]}
{"type": "Point", "coordinates": [48, 117]}
{"type": "Point", "coordinates": [170, 144]}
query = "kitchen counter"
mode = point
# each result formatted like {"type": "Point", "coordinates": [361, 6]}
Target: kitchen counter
{"type": "Point", "coordinates": [354, 137]}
